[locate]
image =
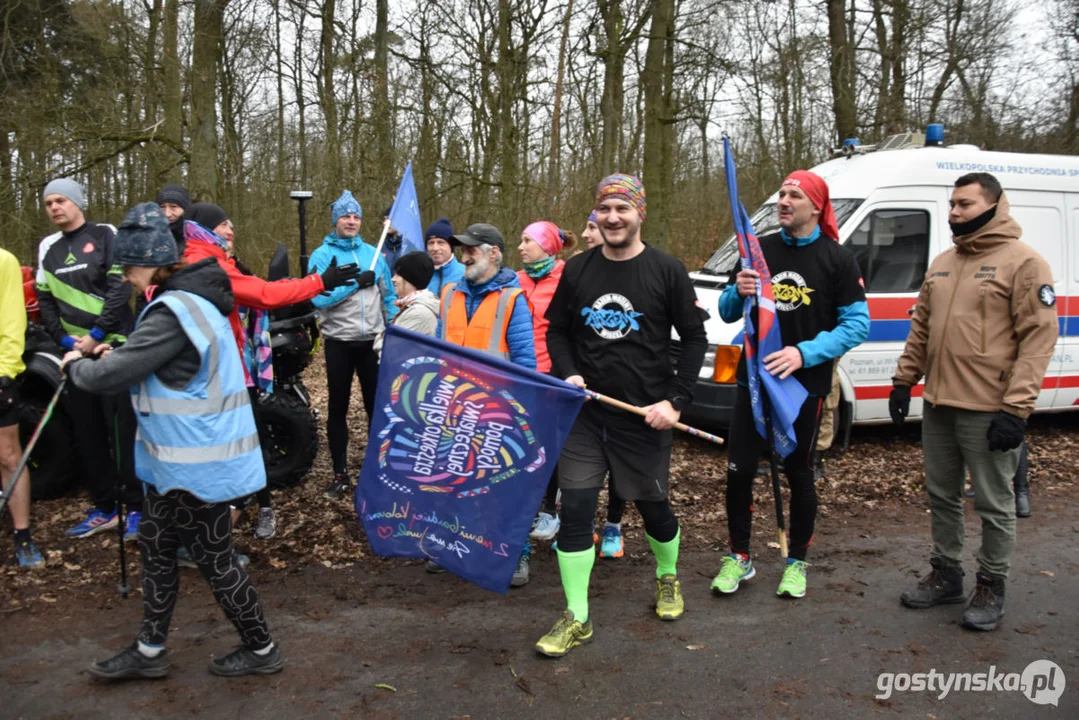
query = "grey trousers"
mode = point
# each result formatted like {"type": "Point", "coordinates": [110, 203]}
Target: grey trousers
{"type": "Point", "coordinates": [954, 440]}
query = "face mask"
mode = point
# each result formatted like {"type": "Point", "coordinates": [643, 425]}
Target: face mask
{"type": "Point", "coordinates": [973, 225]}
{"type": "Point", "coordinates": [540, 268]}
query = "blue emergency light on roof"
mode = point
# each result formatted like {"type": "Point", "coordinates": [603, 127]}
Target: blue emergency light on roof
{"type": "Point", "coordinates": [851, 143]}
{"type": "Point", "coordinates": [934, 135]}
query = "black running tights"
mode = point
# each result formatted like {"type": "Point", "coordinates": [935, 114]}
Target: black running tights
{"type": "Point", "coordinates": [179, 519]}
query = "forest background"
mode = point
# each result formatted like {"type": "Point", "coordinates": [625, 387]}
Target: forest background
{"type": "Point", "coordinates": [510, 110]}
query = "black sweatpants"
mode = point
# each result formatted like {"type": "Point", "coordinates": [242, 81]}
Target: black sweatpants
{"type": "Point", "coordinates": [343, 360]}
{"type": "Point", "coordinates": [205, 529]}
{"type": "Point", "coordinates": [105, 440]}
{"type": "Point", "coordinates": [746, 447]}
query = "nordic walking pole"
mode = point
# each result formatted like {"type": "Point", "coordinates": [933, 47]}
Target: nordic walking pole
{"type": "Point", "coordinates": [642, 412]}
{"type": "Point", "coordinates": [381, 242]}
{"type": "Point", "coordinates": [121, 517]}
{"type": "Point", "coordinates": [5, 494]}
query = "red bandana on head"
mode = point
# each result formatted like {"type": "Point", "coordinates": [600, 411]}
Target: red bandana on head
{"type": "Point", "coordinates": [817, 191]}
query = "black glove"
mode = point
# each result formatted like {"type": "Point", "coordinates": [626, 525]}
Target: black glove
{"type": "Point", "coordinates": [334, 277]}
{"type": "Point", "coordinates": [1006, 432]}
{"type": "Point", "coordinates": [365, 279]}
{"type": "Point", "coordinates": [899, 403]}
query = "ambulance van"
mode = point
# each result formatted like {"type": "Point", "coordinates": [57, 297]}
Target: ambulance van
{"type": "Point", "coordinates": [891, 204]}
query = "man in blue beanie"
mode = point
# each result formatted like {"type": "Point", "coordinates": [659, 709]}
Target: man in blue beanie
{"type": "Point", "coordinates": [353, 317]}
{"type": "Point", "coordinates": [447, 268]}
{"type": "Point", "coordinates": [84, 302]}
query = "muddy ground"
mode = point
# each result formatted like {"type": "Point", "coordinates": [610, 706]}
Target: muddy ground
{"type": "Point", "coordinates": [372, 637]}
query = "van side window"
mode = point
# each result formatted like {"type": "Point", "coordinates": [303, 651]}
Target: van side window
{"type": "Point", "coordinates": [892, 249]}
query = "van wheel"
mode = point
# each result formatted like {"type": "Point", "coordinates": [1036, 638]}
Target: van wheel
{"type": "Point", "coordinates": [52, 471]}
{"type": "Point", "coordinates": [290, 434]}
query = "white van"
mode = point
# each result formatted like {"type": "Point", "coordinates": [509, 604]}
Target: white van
{"type": "Point", "coordinates": [892, 210]}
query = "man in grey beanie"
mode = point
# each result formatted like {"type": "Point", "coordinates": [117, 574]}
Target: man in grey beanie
{"type": "Point", "coordinates": [84, 302]}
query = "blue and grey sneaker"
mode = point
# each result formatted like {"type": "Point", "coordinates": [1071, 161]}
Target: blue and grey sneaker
{"type": "Point", "coordinates": [95, 522]}
{"type": "Point", "coordinates": [131, 527]}
{"type": "Point", "coordinates": [27, 554]}
{"type": "Point", "coordinates": [612, 542]}
{"type": "Point", "coordinates": [546, 527]}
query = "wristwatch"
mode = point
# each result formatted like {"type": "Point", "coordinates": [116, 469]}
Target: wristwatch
{"type": "Point", "coordinates": [678, 402]}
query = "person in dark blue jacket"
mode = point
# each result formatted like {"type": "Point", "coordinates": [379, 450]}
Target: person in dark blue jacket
{"type": "Point", "coordinates": [822, 312]}
{"type": "Point", "coordinates": [448, 269]}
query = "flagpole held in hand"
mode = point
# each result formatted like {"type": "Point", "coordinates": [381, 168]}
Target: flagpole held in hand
{"type": "Point", "coordinates": [381, 242]}
{"type": "Point", "coordinates": [695, 432]}
{"type": "Point", "coordinates": [773, 459]}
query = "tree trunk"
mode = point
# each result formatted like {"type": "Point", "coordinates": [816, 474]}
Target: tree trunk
{"type": "Point", "coordinates": [327, 99]}
{"type": "Point", "coordinates": [279, 165]}
{"type": "Point", "coordinates": [381, 112]}
{"type": "Point", "coordinates": [172, 89]}
{"type": "Point", "coordinates": [613, 101]}
{"type": "Point", "coordinates": [842, 71]}
{"type": "Point", "coordinates": [554, 180]}
{"type": "Point", "coordinates": [209, 23]}
{"type": "Point", "coordinates": [656, 114]}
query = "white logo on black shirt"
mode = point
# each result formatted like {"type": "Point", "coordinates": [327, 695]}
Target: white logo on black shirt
{"type": "Point", "coordinates": [611, 323]}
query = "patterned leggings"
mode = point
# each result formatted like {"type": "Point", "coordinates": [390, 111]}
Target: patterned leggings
{"type": "Point", "coordinates": [205, 529]}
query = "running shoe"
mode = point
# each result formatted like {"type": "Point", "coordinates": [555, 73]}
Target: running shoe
{"type": "Point", "coordinates": [131, 526]}
{"type": "Point", "coordinates": [546, 527]}
{"type": "Point", "coordinates": [27, 555]}
{"type": "Point", "coordinates": [266, 525]}
{"type": "Point", "coordinates": [612, 542]}
{"type": "Point", "coordinates": [132, 664]}
{"type": "Point", "coordinates": [793, 583]}
{"type": "Point", "coordinates": [339, 488]}
{"type": "Point", "coordinates": [566, 634]}
{"type": "Point", "coordinates": [732, 572]}
{"type": "Point", "coordinates": [520, 575]}
{"type": "Point", "coordinates": [243, 661]}
{"type": "Point", "coordinates": [669, 603]}
{"type": "Point", "coordinates": [95, 522]}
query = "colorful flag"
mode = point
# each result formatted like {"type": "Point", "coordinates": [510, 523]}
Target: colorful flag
{"type": "Point", "coordinates": [461, 448]}
{"type": "Point", "coordinates": [785, 397]}
{"type": "Point", "coordinates": [405, 215]}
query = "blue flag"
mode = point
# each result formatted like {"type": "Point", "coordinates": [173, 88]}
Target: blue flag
{"type": "Point", "coordinates": [785, 397]}
{"type": "Point", "coordinates": [460, 451]}
{"type": "Point", "coordinates": [405, 215]}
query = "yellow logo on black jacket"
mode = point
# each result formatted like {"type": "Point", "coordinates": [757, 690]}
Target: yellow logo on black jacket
{"type": "Point", "coordinates": [790, 291]}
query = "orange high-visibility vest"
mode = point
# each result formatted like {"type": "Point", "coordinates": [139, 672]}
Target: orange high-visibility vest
{"type": "Point", "coordinates": [486, 331]}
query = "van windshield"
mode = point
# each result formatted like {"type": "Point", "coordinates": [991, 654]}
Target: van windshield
{"type": "Point", "coordinates": [766, 220]}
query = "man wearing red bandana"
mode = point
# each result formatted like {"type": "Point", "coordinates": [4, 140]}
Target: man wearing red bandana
{"type": "Point", "coordinates": [822, 313]}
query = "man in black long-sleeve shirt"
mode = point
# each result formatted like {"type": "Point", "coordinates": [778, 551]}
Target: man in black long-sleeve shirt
{"type": "Point", "coordinates": [84, 302]}
{"type": "Point", "coordinates": [610, 331]}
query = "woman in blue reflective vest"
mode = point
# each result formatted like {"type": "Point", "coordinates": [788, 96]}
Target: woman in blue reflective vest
{"type": "Point", "coordinates": [197, 446]}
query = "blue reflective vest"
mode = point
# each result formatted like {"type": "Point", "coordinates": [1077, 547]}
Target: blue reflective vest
{"type": "Point", "coordinates": [201, 439]}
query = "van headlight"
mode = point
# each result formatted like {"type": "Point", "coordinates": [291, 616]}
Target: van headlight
{"type": "Point", "coordinates": [723, 361]}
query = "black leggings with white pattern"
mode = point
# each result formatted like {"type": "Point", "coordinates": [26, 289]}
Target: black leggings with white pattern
{"type": "Point", "coordinates": [178, 519]}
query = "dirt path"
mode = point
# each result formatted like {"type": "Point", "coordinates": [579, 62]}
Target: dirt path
{"type": "Point", "coordinates": [452, 650]}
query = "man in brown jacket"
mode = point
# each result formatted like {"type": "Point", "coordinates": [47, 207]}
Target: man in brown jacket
{"type": "Point", "coordinates": [982, 334]}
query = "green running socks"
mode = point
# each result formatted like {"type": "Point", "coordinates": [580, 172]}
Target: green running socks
{"type": "Point", "coordinates": [666, 554]}
{"type": "Point", "coordinates": [576, 570]}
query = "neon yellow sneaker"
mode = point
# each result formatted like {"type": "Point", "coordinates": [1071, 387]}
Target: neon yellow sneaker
{"type": "Point", "coordinates": [669, 604]}
{"type": "Point", "coordinates": [793, 583]}
{"type": "Point", "coordinates": [566, 634]}
{"type": "Point", "coordinates": [731, 574]}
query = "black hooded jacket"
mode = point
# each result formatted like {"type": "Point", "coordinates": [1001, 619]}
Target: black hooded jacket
{"type": "Point", "coordinates": [159, 343]}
